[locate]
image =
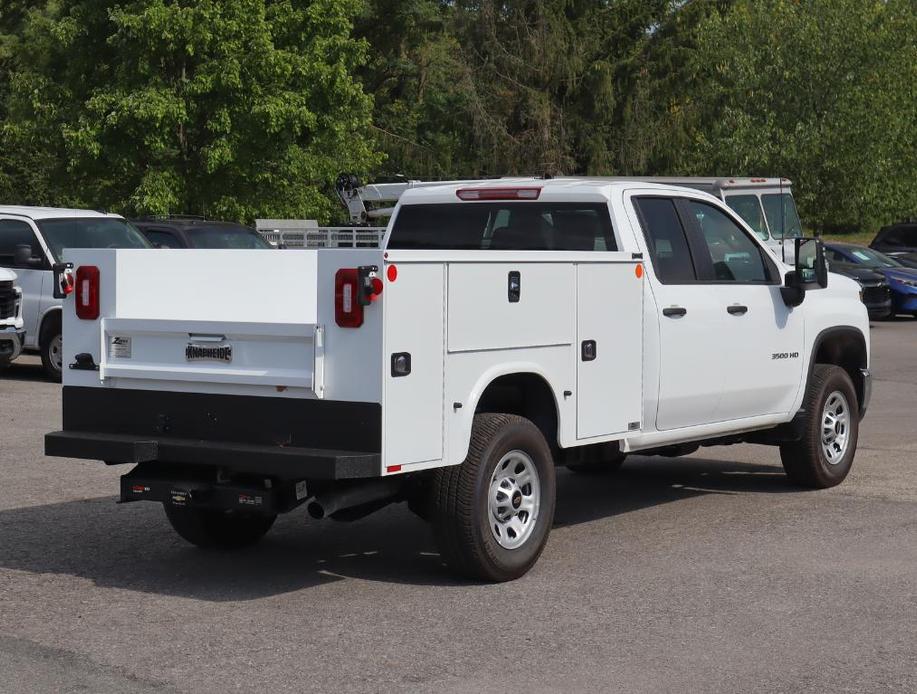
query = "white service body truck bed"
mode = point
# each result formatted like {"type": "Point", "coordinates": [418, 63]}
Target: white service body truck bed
{"type": "Point", "coordinates": [252, 372]}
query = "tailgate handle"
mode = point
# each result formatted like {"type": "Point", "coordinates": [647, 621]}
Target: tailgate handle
{"type": "Point", "coordinates": [207, 338]}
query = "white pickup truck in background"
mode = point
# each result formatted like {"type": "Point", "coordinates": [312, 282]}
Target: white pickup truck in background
{"type": "Point", "coordinates": [502, 327]}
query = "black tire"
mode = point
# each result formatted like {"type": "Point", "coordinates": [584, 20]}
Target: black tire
{"type": "Point", "coordinates": [50, 330]}
{"type": "Point", "coordinates": [597, 459]}
{"type": "Point", "coordinates": [805, 461]}
{"type": "Point", "coordinates": [459, 501]}
{"type": "Point", "coordinates": [215, 529]}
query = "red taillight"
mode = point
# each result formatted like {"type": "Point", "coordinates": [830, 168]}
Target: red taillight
{"type": "Point", "coordinates": [348, 311]}
{"type": "Point", "coordinates": [530, 193]}
{"type": "Point", "coordinates": [86, 292]}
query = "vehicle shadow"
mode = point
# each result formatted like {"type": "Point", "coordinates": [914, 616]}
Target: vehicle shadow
{"type": "Point", "coordinates": [25, 368]}
{"type": "Point", "coordinates": [132, 547]}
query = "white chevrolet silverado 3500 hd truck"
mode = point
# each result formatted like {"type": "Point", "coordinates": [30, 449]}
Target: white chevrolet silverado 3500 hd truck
{"type": "Point", "coordinates": [501, 327]}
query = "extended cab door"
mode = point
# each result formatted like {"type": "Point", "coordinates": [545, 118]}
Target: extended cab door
{"type": "Point", "coordinates": [690, 354]}
{"type": "Point", "coordinates": [761, 339]}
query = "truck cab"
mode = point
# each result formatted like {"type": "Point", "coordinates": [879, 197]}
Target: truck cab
{"type": "Point", "coordinates": [501, 328]}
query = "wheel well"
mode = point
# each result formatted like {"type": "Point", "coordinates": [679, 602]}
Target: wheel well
{"type": "Point", "coordinates": [527, 395]}
{"type": "Point", "coordinates": [54, 314]}
{"type": "Point", "coordinates": [846, 348]}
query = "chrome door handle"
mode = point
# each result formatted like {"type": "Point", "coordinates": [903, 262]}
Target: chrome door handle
{"type": "Point", "coordinates": [737, 310]}
{"type": "Point", "coordinates": [673, 311]}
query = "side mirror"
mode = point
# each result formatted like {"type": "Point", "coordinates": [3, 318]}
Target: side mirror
{"type": "Point", "coordinates": [22, 256]}
{"type": "Point", "coordinates": [63, 280]}
{"type": "Point", "coordinates": [810, 272]}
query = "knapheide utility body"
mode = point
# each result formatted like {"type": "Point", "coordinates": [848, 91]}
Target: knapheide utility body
{"type": "Point", "coordinates": [501, 328]}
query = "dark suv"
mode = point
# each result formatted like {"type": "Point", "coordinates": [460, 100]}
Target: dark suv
{"type": "Point", "coordinates": [197, 232]}
{"type": "Point", "coordinates": [899, 241]}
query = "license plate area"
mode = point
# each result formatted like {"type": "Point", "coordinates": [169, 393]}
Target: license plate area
{"type": "Point", "coordinates": [202, 490]}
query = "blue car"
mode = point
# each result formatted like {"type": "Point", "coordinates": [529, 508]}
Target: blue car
{"type": "Point", "coordinates": [902, 280]}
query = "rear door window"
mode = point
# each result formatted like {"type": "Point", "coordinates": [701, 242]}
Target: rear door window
{"type": "Point", "coordinates": [667, 241]}
{"type": "Point", "coordinates": [509, 226]}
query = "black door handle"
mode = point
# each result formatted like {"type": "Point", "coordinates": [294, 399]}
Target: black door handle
{"type": "Point", "coordinates": [674, 311]}
{"type": "Point", "coordinates": [737, 310]}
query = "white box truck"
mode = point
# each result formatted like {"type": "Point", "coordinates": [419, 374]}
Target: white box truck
{"type": "Point", "coordinates": [501, 328]}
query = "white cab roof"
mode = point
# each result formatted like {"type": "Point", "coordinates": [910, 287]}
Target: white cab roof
{"type": "Point", "coordinates": [552, 190]}
{"type": "Point", "coordinates": [51, 212]}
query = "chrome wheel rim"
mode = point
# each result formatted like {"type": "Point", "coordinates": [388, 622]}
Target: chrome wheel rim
{"type": "Point", "coordinates": [55, 352]}
{"type": "Point", "coordinates": [835, 427]}
{"type": "Point", "coordinates": [514, 498]}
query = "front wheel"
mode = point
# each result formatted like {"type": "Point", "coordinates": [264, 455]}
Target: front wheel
{"type": "Point", "coordinates": [492, 514]}
{"type": "Point", "coordinates": [210, 528]}
{"type": "Point", "coordinates": [823, 456]}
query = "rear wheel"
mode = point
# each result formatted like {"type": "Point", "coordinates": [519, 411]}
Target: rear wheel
{"type": "Point", "coordinates": [824, 454]}
{"type": "Point", "coordinates": [492, 514]}
{"type": "Point", "coordinates": [211, 528]}
{"type": "Point", "coordinates": [51, 346]}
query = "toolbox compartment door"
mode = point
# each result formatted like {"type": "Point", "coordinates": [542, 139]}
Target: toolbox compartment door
{"type": "Point", "coordinates": [413, 411]}
{"type": "Point", "coordinates": [609, 353]}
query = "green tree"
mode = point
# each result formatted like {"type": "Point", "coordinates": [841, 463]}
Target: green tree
{"type": "Point", "coordinates": [231, 108]}
{"type": "Point", "coordinates": [822, 92]}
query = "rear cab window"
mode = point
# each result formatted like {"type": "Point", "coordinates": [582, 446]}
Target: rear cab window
{"type": "Point", "coordinates": [504, 226]}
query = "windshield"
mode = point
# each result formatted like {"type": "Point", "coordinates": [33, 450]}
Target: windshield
{"type": "Point", "coordinates": [781, 214]}
{"type": "Point", "coordinates": [870, 258]}
{"type": "Point", "coordinates": [226, 237]}
{"type": "Point", "coordinates": [749, 209]}
{"type": "Point", "coordinates": [90, 232]}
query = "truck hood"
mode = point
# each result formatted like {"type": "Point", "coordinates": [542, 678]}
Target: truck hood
{"type": "Point", "coordinates": [7, 275]}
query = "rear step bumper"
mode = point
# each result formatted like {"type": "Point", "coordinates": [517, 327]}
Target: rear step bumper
{"type": "Point", "coordinates": [271, 461]}
{"type": "Point", "coordinates": [285, 438]}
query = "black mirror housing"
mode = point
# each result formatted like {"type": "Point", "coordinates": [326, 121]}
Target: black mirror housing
{"type": "Point", "coordinates": [811, 268]}
{"type": "Point", "coordinates": [810, 272]}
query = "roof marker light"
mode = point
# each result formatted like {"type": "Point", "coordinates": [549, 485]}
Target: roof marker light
{"type": "Point", "coordinates": [531, 193]}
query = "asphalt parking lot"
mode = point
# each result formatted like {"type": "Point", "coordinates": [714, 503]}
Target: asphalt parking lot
{"type": "Point", "coordinates": [706, 573]}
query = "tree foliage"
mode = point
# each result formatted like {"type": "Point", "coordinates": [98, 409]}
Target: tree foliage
{"type": "Point", "coordinates": [232, 108]}
{"type": "Point", "coordinates": [243, 108]}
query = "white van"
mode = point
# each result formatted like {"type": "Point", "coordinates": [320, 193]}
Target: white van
{"type": "Point", "coordinates": [31, 242]}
